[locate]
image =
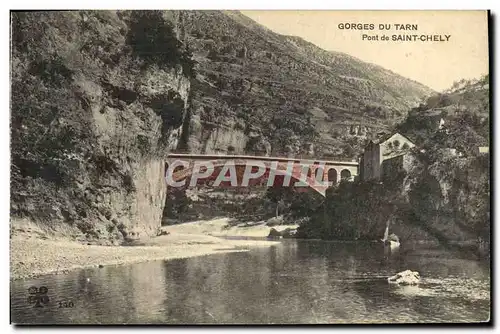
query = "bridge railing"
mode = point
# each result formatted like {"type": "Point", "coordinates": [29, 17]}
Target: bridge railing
{"type": "Point", "coordinates": [257, 155]}
{"type": "Point", "coordinates": [192, 156]}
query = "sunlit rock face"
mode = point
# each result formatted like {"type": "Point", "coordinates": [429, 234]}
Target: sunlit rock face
{"type": "Point", "coordinates": [406, 277]}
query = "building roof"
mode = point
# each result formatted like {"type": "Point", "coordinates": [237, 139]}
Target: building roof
{"type": "Point", "coordinates": [386, 137]}
{"type": "Point", "coordinates": [383, 138]}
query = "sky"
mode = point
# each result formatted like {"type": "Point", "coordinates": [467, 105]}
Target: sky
{"type": "Point", "coordinates": [436, 64]}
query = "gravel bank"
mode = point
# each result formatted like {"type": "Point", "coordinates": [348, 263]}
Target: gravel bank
{"type": "Point", "coordinates": [32, 256]}
{"type": "Point", "coordinates": [220, 227]}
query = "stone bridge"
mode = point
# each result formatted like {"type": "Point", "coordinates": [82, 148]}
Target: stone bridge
{"type": "Point", "coordinates": [281, 167]}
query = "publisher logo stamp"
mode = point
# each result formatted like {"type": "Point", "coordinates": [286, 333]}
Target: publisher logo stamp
{"type": "Point", "coordinates": [38, 296]}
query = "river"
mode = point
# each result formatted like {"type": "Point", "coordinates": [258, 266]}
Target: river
{"type": "Point", "coordinates": [293, 282]}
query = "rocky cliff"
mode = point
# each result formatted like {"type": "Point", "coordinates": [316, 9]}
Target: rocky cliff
{"type": "Point", "coordinates": [449, 186]}
{"type": "Point", "coordinates": [98, 100]}
{"type": "Point", "coordinates": [259, 92]}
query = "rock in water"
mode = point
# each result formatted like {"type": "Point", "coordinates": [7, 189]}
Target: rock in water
{"type": "Point", "coordinates": [393, 237]}
{"type": "Point", "coordinates": [406, 277]}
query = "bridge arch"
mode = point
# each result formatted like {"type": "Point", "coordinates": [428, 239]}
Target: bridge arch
{"type": "Point", "coordinates": [181, 174]}
{"type": "Point", "coordinates": [332, 175]}
{"type": "Point", "coordinates": [179, 168]}
{"type": "Point", "coordinates": [345, 174]}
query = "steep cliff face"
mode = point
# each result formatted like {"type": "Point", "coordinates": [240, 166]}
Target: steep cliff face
{"type": "Point", "coordinates": [98, 100]}
{"type": "Point", "coordinates": [259, 92]}
{"type": "Point", "coordinates": [450, 198]}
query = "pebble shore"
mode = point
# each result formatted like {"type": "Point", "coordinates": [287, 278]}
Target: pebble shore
{"type": "Point", "coordinates": [33, 256]}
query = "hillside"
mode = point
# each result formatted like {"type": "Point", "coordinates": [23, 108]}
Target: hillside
{"type": "Point", "coordinates": [260, 92]}
{"type": "Point", "coordinates": [464, 111]}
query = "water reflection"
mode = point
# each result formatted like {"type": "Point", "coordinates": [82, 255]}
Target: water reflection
{"type": "Point", "coordinates": [294, 282]}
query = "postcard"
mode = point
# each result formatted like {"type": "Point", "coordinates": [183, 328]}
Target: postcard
{"type": "Point", "coordinates": [195, 167]}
